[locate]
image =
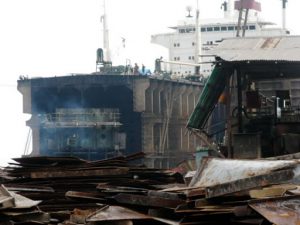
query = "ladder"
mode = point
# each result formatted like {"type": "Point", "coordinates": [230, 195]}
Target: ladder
{"type": "Point", "coordinates": [242, 20]}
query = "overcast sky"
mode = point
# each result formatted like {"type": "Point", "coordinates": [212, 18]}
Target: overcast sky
{"type": "Point", "coordinates": [57, 37]}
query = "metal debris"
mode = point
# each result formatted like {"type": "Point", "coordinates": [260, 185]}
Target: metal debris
{"type": "Point", "coordinates": [6, 200]}
{"type": "Point", "coordinates": [216, 171]}
{"type": "Point", "coordinates": [109, 213]}
{"type": "Point", "coordinates": [74, 191]}
{"type": "Point", "coordinates": [248, 183]}
{"type": "Point", "coordinates": [280, 211]}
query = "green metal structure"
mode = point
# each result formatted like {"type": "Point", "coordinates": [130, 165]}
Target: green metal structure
{"type": "Point", "coordinates": [209, 97]}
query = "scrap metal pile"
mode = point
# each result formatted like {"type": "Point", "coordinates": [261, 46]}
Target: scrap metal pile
{"type": "Point", "coordinates": [52, 190]}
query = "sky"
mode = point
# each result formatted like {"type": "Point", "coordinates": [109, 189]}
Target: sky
{"type": "Point", "coordinates": [42, 38]}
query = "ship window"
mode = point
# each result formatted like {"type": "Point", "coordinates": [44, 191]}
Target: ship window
{"type": "Point", "coordinates": [223, 28]}
{"type": "Point", "coordinates": [178, 58]}
{"type": "Point", "coordinates": [189, 30]}
{"type": "Point", "coordinates": [181, 30]}
{"type": "Point", "coordinates": [175, 58]}
{"type": "Point", "coordinates": [174, 45]}
{"type": "Point", "coordinates": [216, 28]}
{"type": "Point", "coordinates": [190, 57]}
{"type": "Point", "coordinates": [193, 57]}
{"type": "Point", "coordinates": [252, 27]}
{"type": "Point", "coordinates": [193, 43]}
{"type": "Point", "coordinates": [209, 29]}
{"type": "Point", "coordinates": [178, 44]}
{"type": "Point", "coordinates": [203, 29]}
{"type": "Point", "coordinates": [231, 28]}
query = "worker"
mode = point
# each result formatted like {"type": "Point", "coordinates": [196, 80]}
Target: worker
{"type": "Point", "coordinates": [143, 72]}
{"type": "Point", "coordinates": [136, 69]}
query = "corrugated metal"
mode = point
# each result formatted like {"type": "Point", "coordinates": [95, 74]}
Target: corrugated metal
{"type": "Point", "coordinates": [285, 48]}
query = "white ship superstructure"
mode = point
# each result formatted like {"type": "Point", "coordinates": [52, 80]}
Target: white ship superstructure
{"type": "Point", "coordinates": [181, 42]}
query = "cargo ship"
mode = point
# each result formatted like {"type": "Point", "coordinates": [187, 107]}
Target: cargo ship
{"type": "Point", "coordinates": [115, 111]}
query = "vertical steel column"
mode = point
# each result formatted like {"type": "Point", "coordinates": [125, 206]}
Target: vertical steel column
{"type": "Point", "coordinates": [240, 100]}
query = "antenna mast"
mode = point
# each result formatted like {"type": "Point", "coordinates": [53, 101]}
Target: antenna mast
{"type": "Point", "coordinates": [106, 48]}
{"type": "Point", "coordinates": [284, 14]}
{"type": "Point", "coordinates": [198, 41]}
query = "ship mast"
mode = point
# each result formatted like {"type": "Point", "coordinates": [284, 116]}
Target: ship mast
{"type": "Point", "coordinates": [198, 41]}
{"type": "Point", "coordinates": [284, 14]}
{"type": "Point", "coordinates": [227, 7]}
{"type": "Point", "coordinates": [107, 57]}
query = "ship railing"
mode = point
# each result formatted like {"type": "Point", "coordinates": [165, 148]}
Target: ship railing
{"type": "Point", "coordinates": [82, 117]}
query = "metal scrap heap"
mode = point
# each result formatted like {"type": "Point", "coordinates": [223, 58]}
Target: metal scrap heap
{"type": "Point", "coordinates": [67, 190]}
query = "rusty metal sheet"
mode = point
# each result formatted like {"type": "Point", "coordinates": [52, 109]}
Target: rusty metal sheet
{"type": "Point", "coordinates": [111, 213]}
{"type": "Point", "coordinates": [280, 211]}
{"type": "Point", "coordinates": [215, 171]}
{"type": "Point", "coordinates": [295, 191]}
{"type": "Point", "coordinates": [120, 189]}
{"type": "Point", "coordinates": [13, 213]}
{"type": "Point", "coordinates": [79, 216]}
{"type": "Point", "coordinates": [22, 202]}
{"type": "Point", "coordinates": [254, 221]}
{"type": "Point", "coordinates": [197, 192]}
{"type": "Point", "coordinates": [248, 183]}
{"type": "Point", "coordinates": [4, 175]}
{"type": "Point", "coordinates": [34, 217]}
{"type": "Point", "coordinates": [42, 160]}
{"type": "Point", "coordinates": [6, 199]}
{"type": "Point", "coordinates": [166, 195]}
{"type": "Point", "coordinates": [219, 218]}
{"type": "Point", "coordinates": [83, 195]}
{"type": "Point", "coordinates": [80, 173]}
{"type": "Point", "coordinates": [28, 188]}
{"type": "Point", "coordinates": [147, 201]}
{"type": "Point", "coordinates": [168, 214]}
{"type": "Point", "coordinates": [267, 192]}
{"type": "Point", "coordinates": [165, 221]}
